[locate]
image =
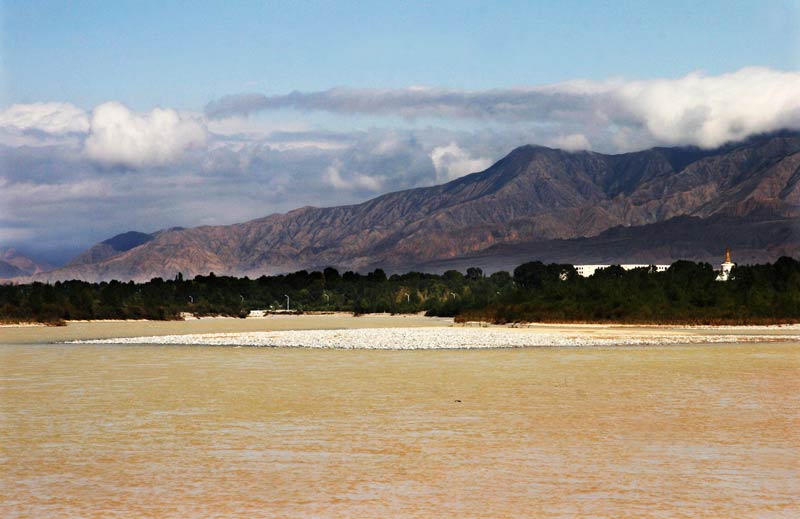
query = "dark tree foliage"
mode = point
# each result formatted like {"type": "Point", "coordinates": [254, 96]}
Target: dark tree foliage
{"type": "Point", "coordinates": [474, 273]}
{"type": "Point", "coordinates": [686, 293]}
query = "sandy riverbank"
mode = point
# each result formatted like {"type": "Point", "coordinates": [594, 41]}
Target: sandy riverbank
{"type": "Point", "coordinates": [384, 331]}
{"type": "Point", "coordinates": [438, 338]}
{"type": "Point", "coordinates": [85, 330]}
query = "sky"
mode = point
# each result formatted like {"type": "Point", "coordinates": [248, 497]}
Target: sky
{"type": "Point", "coordinates": [118, 116]}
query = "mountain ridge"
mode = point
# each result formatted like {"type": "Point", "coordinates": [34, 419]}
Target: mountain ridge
{"type": "Point", "coordinates": [683, 237]}
{"type": "Point", "coordinates": [532, 195]}
{"type": "Point", "coordinates": [13, 264]}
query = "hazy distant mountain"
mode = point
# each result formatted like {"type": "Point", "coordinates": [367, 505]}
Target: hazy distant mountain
{"type": "Point", "coordinates": [111, 247]}
{"type": "Point", "coordinates": [7, 270]}
{"type": "Point", "coordinates": [13, 264]}
{"type": "Point", "coordinates": [523, 206]}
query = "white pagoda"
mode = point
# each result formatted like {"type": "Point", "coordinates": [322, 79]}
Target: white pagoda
{"type": "Point", "coordinates": [725, 267]}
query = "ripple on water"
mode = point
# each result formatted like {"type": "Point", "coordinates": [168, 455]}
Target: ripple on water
{"type": "Point", "coordinates": [208, 432]}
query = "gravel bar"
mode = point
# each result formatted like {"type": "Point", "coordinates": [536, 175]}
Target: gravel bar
{"type": "Point", "coordinates": [431, 338]}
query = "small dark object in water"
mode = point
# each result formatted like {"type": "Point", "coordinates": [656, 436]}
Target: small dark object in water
{"type": "Point", "coordinates": [459, 401]}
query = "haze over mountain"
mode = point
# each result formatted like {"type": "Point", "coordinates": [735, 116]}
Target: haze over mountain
{"type": "Point", "coordinates": [14, 264]}
{"type": "Point", "coordinates": [524, 207]}
{"type": "Point", "coordinates": [114, 246]}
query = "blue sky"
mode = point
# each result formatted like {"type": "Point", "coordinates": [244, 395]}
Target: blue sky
{"type": "Point", "coordinates": [118, 116]}
{"type": "Point", "coordinates": [184, 54]}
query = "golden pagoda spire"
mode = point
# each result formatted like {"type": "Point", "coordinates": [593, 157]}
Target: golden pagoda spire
{"type": "Point", "coordinates": [727, 255]}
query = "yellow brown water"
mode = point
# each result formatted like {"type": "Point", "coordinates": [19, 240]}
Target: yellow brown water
{"type": "Point", "coordinates": [165, 431]}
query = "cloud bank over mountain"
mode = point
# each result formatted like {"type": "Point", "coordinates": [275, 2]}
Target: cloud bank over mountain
{"type": "Point", "coordinates": [109, 168]}
{"type": "Point", "coordinates": [56, 118]}
{"type": "Point", "coordinates": [696, 109]}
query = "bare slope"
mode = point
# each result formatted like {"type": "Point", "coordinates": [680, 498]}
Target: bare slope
{"type": "Point", "coordinates": [534, 194]}
{"type": "Point", "coordinates": [13, 264]}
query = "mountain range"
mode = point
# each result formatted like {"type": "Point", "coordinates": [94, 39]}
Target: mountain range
{"type": "Point", "coordinates": [14, 264]}
{"type": "Point", "coordinates": [651, 206]}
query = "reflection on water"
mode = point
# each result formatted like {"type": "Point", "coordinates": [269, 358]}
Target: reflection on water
{"type": "Point", "coordinates": [139, 431]}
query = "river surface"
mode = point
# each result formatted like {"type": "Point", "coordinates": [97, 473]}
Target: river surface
{"type": "Point", "coordinates": [182, 432]}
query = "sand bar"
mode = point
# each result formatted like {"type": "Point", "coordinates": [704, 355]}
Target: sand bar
{"type": "Point", "coordinates": [440, 338]}
{"type": "Point", "coordinates": [383, 331]}
{"type": "Point", "coordinates": [82, 330]}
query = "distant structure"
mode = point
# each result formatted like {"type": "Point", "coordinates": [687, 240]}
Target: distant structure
{"type": "Point", "coordinates": [723, 274]}
{"type": "Point", "coordinates": [589, 270]}
{"type": "Point", "coordinates": [726, 267]}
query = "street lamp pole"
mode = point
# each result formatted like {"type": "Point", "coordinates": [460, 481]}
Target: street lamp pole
{"type": "Point", "coordinates": [287, 302]}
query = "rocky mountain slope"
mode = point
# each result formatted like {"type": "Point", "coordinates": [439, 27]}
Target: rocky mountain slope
{"type": "Point", "coordinates": [535, 195]}
{"type": "Point", "coordinates": [111, 247]}
{"type": "Point", "coordinates": [14, 264]}
{"type": "Point", "coordinates": [682, 237]}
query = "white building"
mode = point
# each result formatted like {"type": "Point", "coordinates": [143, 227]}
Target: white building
{"type": "Point", "coordinates": [726, 267]}
{"type": "Point", "coordinates": [589, 270]}
{"type": "Point", "coordinates": [722, 275]}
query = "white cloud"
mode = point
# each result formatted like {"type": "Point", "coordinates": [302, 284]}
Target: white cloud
{"type": "Point", "coordinates": [27, 193]}
{"type": "Point", "coordinates": [368, 183]}
{"type": "Point", "coordinates": [52, 118]}
{"type": "Point", "coordinates": [696, 109]}
{"type": "Point", "coordinates": [334, 178]}
{"type": "Point", "coordinates": [452, 161]}
{"type": "Point", "coordinates": [571, 142]}
{"type": "Point", "coordinates": [711, 110]}
{"type": "Point", "coordinates": [254, 127]}
{"type": "Point", "coordinates": [295, 145]}
{"type": "Point", "coordinates": [120, 136]}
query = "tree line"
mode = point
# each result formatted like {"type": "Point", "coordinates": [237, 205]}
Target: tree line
{"type": "Point", "coordinates": [685, 293]}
